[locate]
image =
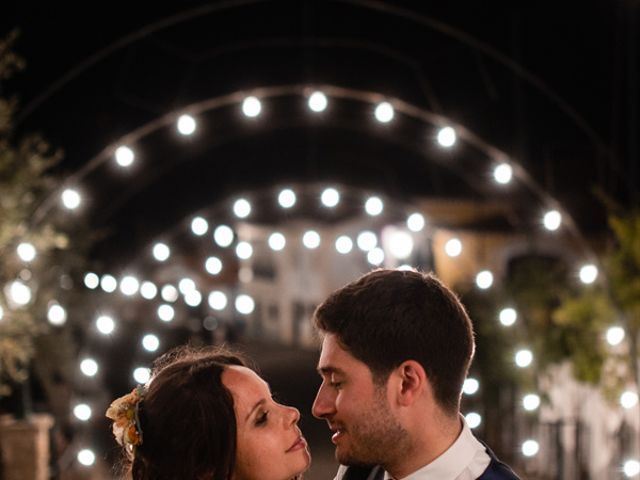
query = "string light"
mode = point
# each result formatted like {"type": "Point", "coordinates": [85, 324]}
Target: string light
{"type": "Point", "coordinates": [631, 468]}
{"type": "Point", "coordinates": [89, 367]}
{"type": "Point", "coordinates": [223, 236]}
{"type": "Point", "coordinates": [344, 244]}
{"type": "Point", "coordinates": [287, 198]}
{"type": "Point", "coordinates": [374, 206]}
{"type": "Point", "coordinates": [199, 226]}
{"type": "Point", "coordinates": [71, 199]}
{"type": "Point", "coordinates": [447, 137]}
{"type": "Point", "coordinates": [142, 375]}
{"type": "Point", "coordinates": [277, 241]}
{"type": "Point", "coordinates": [453, 247]}
{"type": "Point", "coordinates": [251, 107]}
{"type": "Point", "coordinates": [26, 252]}
{"type": "Point", "coordinates": [318, 102]}
{"type": "Point", "coordinates": [473, 419]}
{"type": "Point", "coordinates": [242, 208]}
{"type": "Point", "coordinates": [588, 274]}
{"type": "Point", "coordinates": [330, 197]}
{"type": "Point", "coordinates": [213, 265]}
{"type": "Point", "coordinates": [311, 239]}
{"type": "Point", "coordinates": [186, 285]}
{"type": "Point", "coordinates": [530, 448]}
{"type": "Point", "coordinates": [384, 112]}
{"type": "Point", "coordinates": [503, 173]}
{"type": "Point", "coordinates": [375, 256]}
{"type": "Point", "coordinates": [105, 324]}
{"type": "Point", "coordinates": [552, 220]}
{"type": "Point", "coordinates": [148, 290]}
{"type": "Point", "coordinates": [161, 251]}
{"type": "Point", "coordinates": [400, 244]}
{"type": "Point", "coordinates": [56, 314]}
{"type": "Point", "coordinates": [86, 457]}
{"type": "Point", "coordinates": [615, 335]}
{"type": "Point", "coordinates": [415, 222]}
{"type": "Point", "coordinates": [629, 399]}
{"type": "Point", "coordinates": [367, 241]}
{"type": "Point", "coordinates": [129, 285]}
{"type": "Point", "coordinates": [531, 402]}
{"type": "Point", "coordinates": [244, 250]}
{"type": "Point", "coordinates": [166, 313]}
{"type": "Point", "coordinates": [217, 300]}
{"type": "Point", "coordinates": [169, 293]}
{"type": "Point", "coordinates": [523, 358]}
{"type": "Point", "coordinates": [150, 342]}
{"type": "Point", "coordinates": [91, 281]}
{"type": "Point", "coordinates": [82, 412]}
{"type": "Point", "coordinates": [193, 298]}
{"type": "Point", "coordinates": [124, 156]}
{"type": "Point", "coordinates": [186, 125]}
{"type": "Point", "coordinates": [108, 283]}
{"type": "Point", "coordinates": [470, 386]}
{"type": "Point", "coordinates": [508, 316]}
{"type": "Point", "coordinates": [19, 293]}
{"type": "Point", "coordinates": [244, 304]}
{"type": "Point", "coordinates": [484, 279]}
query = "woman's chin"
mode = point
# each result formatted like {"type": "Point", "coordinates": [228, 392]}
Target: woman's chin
{"type": "Point", "coordinates": [307, 462]}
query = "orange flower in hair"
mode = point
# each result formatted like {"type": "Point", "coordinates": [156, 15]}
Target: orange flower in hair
{"type": "Point", "coordinates": [126, 423]}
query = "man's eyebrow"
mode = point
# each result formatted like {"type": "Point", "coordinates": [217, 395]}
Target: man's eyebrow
{"type": "Point", "coordinates": [255, 407]}
{"type": "Point", "coordinates": [328, 370]}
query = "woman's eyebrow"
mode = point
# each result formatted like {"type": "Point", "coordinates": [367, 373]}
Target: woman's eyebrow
{"type": "Point", "coordinates": [255, 407]}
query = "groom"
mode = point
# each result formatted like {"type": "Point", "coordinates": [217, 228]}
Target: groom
{"type": "Point", "coordinates": [396, 349]}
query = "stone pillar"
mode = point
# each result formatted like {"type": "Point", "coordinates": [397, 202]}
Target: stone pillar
{"type": "Point", "coordinates": [25, 447]}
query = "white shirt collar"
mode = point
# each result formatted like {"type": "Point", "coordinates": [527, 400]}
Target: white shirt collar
{"type": "Point", "coordinates": [466, 454]}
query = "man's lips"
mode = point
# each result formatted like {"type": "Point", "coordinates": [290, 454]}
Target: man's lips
{"type": "Point", "coordinates": [337, 433]}
{"type": "Point", "coordinates": [297, 445]}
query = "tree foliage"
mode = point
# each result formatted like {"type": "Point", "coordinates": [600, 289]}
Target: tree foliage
{"type": "Point", "coordinates": [25, 182]}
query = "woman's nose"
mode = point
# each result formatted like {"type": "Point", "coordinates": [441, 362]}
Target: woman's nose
{"type": "Point", "coordinates": [292, 415]}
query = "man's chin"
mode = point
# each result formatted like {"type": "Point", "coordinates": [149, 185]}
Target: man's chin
{"type": "Point", "coordinates": [346, 458]}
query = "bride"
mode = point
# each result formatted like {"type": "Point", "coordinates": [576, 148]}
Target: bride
{"type": "Point", "coordinates": [205, 415]}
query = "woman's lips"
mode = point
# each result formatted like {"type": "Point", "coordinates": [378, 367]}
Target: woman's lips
{"type": "Point", "coordinates": [297, 445]}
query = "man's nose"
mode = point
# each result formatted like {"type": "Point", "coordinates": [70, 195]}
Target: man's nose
{"type": "Point", "coordinates": [324, 404]}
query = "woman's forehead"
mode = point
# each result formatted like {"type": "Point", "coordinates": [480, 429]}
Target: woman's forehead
{"type": "Point", "coordinates": [243, 383]}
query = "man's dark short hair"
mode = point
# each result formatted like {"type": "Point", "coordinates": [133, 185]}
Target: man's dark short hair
{"type": "Point", "coordinates": [389, 316]}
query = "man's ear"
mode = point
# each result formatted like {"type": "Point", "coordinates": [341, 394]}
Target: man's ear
{"type": "Point", "coordinates": [411, 382]}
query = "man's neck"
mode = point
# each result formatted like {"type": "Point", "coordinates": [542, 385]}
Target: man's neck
{"type": "Point", "coordinates": [429, 441]}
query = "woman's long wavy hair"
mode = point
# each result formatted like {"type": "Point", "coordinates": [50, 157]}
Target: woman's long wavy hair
{"type": "Point", "coordinates": [187, 419]}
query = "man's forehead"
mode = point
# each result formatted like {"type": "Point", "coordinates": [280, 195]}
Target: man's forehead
{"type": "Point", "coordinates": [333, 356]}
{"type": "Point", "coordinates": [331, 348]}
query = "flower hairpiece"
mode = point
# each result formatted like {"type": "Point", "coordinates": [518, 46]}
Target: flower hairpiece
{"type": "Point", "coordinates": [124, 412]}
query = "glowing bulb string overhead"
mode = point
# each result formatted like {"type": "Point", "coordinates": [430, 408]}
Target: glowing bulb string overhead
{"type": "Point", "coordinates": [254, 104]}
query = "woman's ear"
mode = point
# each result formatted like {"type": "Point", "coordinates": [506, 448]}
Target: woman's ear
{"type": "Point", "coordinates": [411, 381]}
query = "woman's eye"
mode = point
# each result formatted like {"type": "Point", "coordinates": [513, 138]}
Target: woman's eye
{"type": "Point", "coordinates": [335, 384]}
{"type": "Point", "coordinates": [262, 418]}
